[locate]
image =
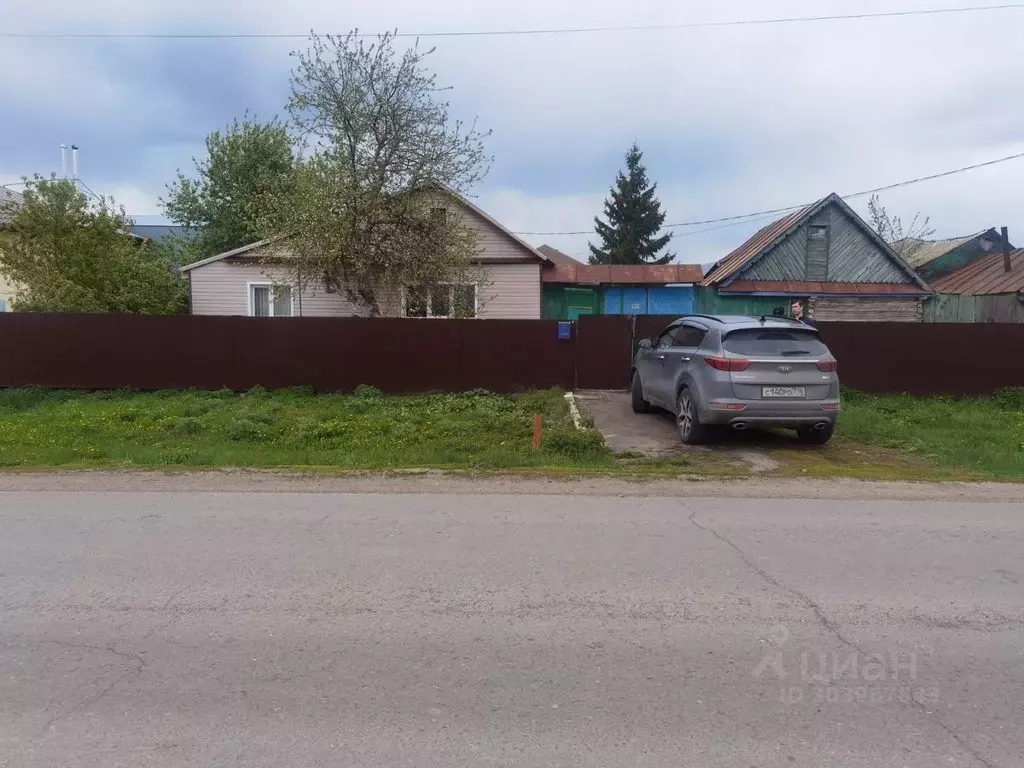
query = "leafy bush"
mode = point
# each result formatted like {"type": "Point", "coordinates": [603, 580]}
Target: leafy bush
{"type": "Point", "coordinates": [365, 390]}
{"type": "Point", "coordinates": [14, 400]}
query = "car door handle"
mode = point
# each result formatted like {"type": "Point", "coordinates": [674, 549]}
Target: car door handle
{"type": "Point", "coordinates": [686, 359]}
{"type": "Point", "coordinates": [661, 357]}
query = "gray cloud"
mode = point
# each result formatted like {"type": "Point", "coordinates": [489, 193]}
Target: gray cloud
{"type": "Point", "coordinates": [731, 120]}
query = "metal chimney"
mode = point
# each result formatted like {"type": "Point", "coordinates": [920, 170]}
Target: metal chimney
{"type": "Point", "coordinates": [64, 161]}
{"type": "Point", "coordinates": [1006, 250]}
{"type": "Point", "coordinates": [74, 160]}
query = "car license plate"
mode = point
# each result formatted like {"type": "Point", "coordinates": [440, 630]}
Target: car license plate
{"type": "Point", "coordinates": [783, 392]}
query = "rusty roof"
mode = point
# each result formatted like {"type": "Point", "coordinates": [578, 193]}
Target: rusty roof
{"type": "Point", "coordinates": [763, 239]}
{"type": "Point", "coordinates": [817, 288]}
{"type": "Point", "coordinates": [623, 274]}
{"type": "Point", "coordinates": [557, 256]}
{"type": "Point", "coordinates": [987, 275]}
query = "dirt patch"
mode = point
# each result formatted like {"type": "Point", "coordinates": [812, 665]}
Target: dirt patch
{"type": "Point", "coordinates": [654, 435]}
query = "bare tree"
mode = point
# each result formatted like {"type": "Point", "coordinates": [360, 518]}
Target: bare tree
{"type": "Point", "coordinates": [372, 211]}
{"type": "Point", "coordinates": [904, 240]}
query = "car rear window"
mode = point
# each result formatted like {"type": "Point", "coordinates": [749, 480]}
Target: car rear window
{"type": "Point", "coordinates": [774, 342]}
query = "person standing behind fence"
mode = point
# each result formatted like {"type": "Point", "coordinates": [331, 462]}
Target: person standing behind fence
{"type": "Point", "coordinates": [798, 314]}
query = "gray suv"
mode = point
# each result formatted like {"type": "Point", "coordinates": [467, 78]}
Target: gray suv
{"type": "Point", "coordinates": [739, 372]}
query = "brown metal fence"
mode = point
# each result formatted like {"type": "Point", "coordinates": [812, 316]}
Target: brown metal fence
{"type": "Point", "coordinates": [329, 354]}
{"type": "Point", "coordinates": [339, 354]}
{"type": "Point", "coordinates": [916, 358]}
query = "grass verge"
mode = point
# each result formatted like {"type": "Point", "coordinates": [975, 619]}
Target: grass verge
{"type": "Point", "coordinates": [290, 428]}
{"type": "Point", "coordinates": [950, 438]}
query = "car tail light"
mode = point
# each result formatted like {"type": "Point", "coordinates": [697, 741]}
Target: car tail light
{"type": "Point", "coordinates": [830, 407]}
{"type": "Point", "coordinates": [827, 366]}
{"type": "Point", "coordinates": [727, 363]}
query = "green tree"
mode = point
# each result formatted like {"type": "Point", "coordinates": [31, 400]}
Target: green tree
{"type": "Point", "coordinates": [630, 236]}
{"type": "Point", "coordinates": [248, 165]}
{"type": "Point", "coordinates": [65, 254]}
{"type": "Point", "coordinates": [372, 214]}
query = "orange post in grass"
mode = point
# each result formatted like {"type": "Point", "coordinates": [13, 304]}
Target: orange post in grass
{"type": "Point", "coordinates": [538, 426]}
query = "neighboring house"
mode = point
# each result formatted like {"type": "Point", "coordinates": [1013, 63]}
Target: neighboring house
{"type": "Point", "coordinates": [572, 288]}
{"type": "Point", "coordinates": [8, 197]}
{"type": "Point", "coordinates": [158, 232]}
{"type": "Point", "coordinates": [988, 290]}
{"type": "Point", "coordinates": [823, 254]}
{"type": "Point", "coordinates": [932, 259]}
{"type": "Point", "coordinates": [240, 282]}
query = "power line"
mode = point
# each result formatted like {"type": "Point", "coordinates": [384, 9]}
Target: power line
{"type": "Point", "coordinates": [742, 218]}
{"type": "Point", "coordinates": [511, 32]}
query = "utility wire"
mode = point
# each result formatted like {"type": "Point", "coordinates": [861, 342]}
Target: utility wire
{"type": "Point", "coordinates": [740, 219]}
{"type": "Point", "coordinates": [511, 32]}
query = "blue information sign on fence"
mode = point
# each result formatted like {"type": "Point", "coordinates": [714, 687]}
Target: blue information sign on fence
{"type": "Point", "coordinates": [565, 331]}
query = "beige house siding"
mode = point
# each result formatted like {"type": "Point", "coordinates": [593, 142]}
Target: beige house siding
{"type": "Point", "coordinates": [222, 288]}
{"type": "Point", "coordinates": [510, 291]}
{"type": "Point", "coordinates": [505, 290]}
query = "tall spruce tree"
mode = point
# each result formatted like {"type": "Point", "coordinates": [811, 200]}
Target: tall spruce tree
{"type": "Point", "coordinates": [634, 215]}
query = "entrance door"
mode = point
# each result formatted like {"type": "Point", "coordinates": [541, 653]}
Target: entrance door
{"type": "Point", "coordinates": [580, 301]}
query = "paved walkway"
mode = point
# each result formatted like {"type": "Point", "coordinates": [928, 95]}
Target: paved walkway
{"type": "Point", "coordinates": [654, 434]}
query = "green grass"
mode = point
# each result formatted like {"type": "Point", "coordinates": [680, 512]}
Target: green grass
{"type": "Point", "coordinates": [968, 438]}
{"type": "Point", "coordinates": [290, 428]}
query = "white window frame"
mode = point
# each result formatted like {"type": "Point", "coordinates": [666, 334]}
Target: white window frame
{"type": "Point", "coordinates": [269, 284]}
{"type": "Point", "coordinates": [451, 302]}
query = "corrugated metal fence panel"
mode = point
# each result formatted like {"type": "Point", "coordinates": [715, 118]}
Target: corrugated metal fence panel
{"type": "Point", "coordinates": [915, 357]}
{"type": "Point", "coordinates": [668, 301]}
{"type": "Point", "coordinates": [329, 354]}
{"type": "Point", "coordinates": [604, 351]}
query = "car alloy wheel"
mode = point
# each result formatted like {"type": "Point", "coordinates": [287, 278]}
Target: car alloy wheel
{"type": "Point", "coordinates": [684, 417]}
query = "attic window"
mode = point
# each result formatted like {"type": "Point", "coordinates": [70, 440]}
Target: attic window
{"type": "Point", "coordinates": [817, 231]}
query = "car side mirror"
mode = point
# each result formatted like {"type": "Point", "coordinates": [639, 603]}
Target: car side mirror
{"type": "Point", "coordinates": [646, 344]}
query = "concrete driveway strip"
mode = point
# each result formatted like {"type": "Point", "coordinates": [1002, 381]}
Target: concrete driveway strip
{"type": "Point", "coordinates": [294, 629]}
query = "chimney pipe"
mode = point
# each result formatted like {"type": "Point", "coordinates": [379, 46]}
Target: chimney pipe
{"type": "Point", "coordinates": [64, 161]}
{"type": "Point", "coordinates": [1006, 250]}
{"type": "Point", "coordinates": [74, 160]}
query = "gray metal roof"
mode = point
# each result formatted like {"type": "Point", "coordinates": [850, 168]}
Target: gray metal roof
{"type": "Point", "coordinates": [918, 252]}
{"type": "Point", "coordinates": [158, 232]}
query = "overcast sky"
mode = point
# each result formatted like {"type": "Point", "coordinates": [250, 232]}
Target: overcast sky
{"type": "Point", "coordinates": [731, 120]}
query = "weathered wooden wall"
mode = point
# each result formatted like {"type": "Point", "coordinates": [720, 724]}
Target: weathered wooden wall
{"type": "Point", "coordinates": [999, 308]}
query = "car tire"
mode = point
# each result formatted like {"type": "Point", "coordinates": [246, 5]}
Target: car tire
{"type": "Point", "coordinates": [812, 436]}
{"type": "Point", "coordinates": [691, 431]}
{"type": "Point", "coordinates": [636, 395]}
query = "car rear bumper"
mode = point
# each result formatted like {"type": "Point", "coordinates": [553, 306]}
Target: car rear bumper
{"type": "Point", "coordinates": [791, 414]}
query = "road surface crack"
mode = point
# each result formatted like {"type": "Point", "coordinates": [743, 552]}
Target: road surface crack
{"type": "Point", "coordinates": [830, 626]}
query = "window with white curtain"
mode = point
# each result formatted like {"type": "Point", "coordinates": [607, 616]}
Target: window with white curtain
{"type": "Point", "coordinates": [270, 300]}
{"type": "Point", "coordinates": [457, 301]}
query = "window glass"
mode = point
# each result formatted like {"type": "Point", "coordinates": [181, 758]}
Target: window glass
{"type": "Point", "coordinates": [415, 302]}
{"type": "Point", "coordinates": [688, 336]}
{"type": "Point", "coordinates": [441, 301]}
{"type": "Point", "coordinates": [774, 343]}
{"type": "Point", "coordinates": [465, 301]}
{"type": "Point", "coordinates": [282, 301]}
{"type": "Point", "coordinates": [817, 231]}
{"type": "Point", "coordinates": [260, 300]}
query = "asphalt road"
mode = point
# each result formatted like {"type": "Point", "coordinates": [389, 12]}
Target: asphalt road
{"type": "Point", "coordinates": [286, 629]}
